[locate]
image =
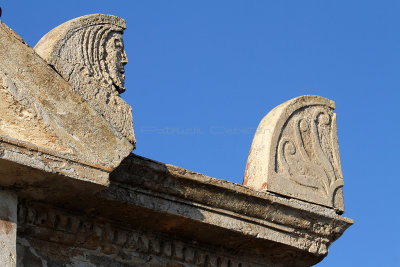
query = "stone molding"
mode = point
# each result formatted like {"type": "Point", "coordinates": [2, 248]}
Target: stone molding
{"type": "Point", "coordinates": [261, 227]}
{"type": "Point", "coordinates": [272, 218]}
{"type": "Point", "coordinates": [98, 237]}
{"type": "Point", "coordinates": [50, 161]}
{"type": "Point", "coordinates": [295, 153]}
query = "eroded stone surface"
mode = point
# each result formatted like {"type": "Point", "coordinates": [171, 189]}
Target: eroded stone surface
{"type": "Point", "coordinates": [94, 242]}
{"type": "Point", "coordinates": [89, 53]}
{"type": "Point", "coordinates": [60, 150]}
{"type": "Point", "coordinates": [155, 214]}
{"type": "Point", "coordinates": [149, 212]}
{"type": "Point", "coordinates": [295, 153]}
{"type": "Point", "coordinates": [40, 109]}
{"type": "Point", "coordinates": [8, 228]}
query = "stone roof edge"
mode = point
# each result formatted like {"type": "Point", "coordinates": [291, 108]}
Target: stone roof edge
{"type": "Point", "coordinates": [256, 215]}
{"type": "Point", "coordinates": [239, 190]}
{"type": "Point", "coordinates": [51, 161]}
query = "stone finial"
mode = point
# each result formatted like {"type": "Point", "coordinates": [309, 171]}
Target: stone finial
{"type": "Point", "coordinates": [47, 124]}
{"type": "Point", "coordinates": [295, 153]}
{"type": "Point", "coordinates": [89, 53]}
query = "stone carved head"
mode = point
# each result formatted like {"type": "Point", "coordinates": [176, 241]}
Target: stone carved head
{"type": "Point", "coordinates": [89, 53]}
{"type": "Point", "coordinates": [97, 52]}
{"type": "Point", "coordinates": [116, 59]}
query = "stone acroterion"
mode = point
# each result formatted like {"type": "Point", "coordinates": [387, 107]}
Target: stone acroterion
{"type": "Point", "coordinates": [89, 53]}
{"type": "Point", "coordinates": [295, 153]}
{"type": "Point", "coordinates": [75, 124]}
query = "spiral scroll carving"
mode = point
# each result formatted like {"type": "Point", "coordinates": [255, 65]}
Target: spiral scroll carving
{"type": "Point", "coordinates": [306, 152]}
{"type": "Point", "coordinates": [295, 153]}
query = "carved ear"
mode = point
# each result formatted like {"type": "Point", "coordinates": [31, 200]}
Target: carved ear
{"type": "Point", "coordinates": [295, 153]}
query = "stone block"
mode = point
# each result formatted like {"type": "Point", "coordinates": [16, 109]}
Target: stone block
{"type": "Point", "coordinates": [295, 153]}
{"type": "Point", "coordinates": [8, 228]}
{"type": "Point", "coordinates": [68, 124]}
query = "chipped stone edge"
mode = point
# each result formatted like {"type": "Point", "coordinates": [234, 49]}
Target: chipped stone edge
{"type": "Point", "coordinates": [51, 161]}
{"type": "Point", "coordinates": [306, 226]}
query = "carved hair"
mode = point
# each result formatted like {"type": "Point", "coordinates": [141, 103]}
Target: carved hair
{"type": "Point", "coordinates": [92, 51]}
{"type": "Point", "coordinates": [81, 47]}
{"type": "Point", "coordinates": [88, 52]}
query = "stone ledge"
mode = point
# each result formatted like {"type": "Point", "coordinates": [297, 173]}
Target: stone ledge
{"type": "Point", "coordinates": [161, 198]}
{"type": "Point", "coordinates": [255, 215]}
{"type": "Point", "coordinates": [20, 161]}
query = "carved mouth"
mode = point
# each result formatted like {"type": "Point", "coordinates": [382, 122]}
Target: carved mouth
{"type": "Point", "coordinates": [120, 88]}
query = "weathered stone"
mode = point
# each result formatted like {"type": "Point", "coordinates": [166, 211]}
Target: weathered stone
{"type": "Point", "coordinates": [155, 214]}
{"type": "Point", "coordinates": [89, 53]}
{"type": "Point", "coordinates": [8, 228]}
{"type": "Point", "coordinates": [82, 201]}
{"type": "Point", "coordinates": [46, 124]}
{"type": "Point", "coordinates": [295, 153]}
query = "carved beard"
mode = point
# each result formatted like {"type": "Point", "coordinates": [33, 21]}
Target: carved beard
{"type": "Point", "coordinates": [117, 77]}
{"type": "Point", "coordinates": [116, 60]}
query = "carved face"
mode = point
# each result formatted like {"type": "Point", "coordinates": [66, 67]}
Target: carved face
{"type": "Point", "coordinates": [116, 60]}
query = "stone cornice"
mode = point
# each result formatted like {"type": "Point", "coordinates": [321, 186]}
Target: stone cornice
{"type": "Point", "coordinates": [51, 227]}
{"type": "Point", "coordinates": [162, 198]}
{"type": "Point", "coordinates": [262, 216]}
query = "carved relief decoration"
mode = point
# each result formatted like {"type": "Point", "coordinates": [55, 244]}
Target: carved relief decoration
{"type": "Point", "coordinates": [307, 153]}
{"type": "Point", "coordinates": [47, 232]}
{"type": "Point", "coordinates": [89, 53]}
{"type": "Point", "coordinates": [65, 117]}
{"type": "Point", "coordinates": [302, 159]}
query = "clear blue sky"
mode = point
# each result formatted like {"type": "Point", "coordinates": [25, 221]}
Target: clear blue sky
{"type": "Point", "coordinates": [202, 74]}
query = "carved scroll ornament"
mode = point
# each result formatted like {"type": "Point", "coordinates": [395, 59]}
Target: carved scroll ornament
{"type": "Point", "coordinates": [295, 153]}
{"type": "Point", "coordinates": [89, 53]}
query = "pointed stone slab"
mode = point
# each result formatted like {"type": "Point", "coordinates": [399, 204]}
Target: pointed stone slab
{"type": "Point", "coordinates": [295, 153]}
{"type": "Point", "coordinates": [46, 124]}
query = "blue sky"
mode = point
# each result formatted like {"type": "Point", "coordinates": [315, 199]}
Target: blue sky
{"type": "Point", "coordinates": [202, 74]}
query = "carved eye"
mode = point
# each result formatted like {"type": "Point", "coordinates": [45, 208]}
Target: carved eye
{"type": "Point", "coordinates": [118, 44]}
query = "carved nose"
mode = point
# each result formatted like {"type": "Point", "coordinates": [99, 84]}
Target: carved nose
{"type": "Point", "coordinates": [124, 59]}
